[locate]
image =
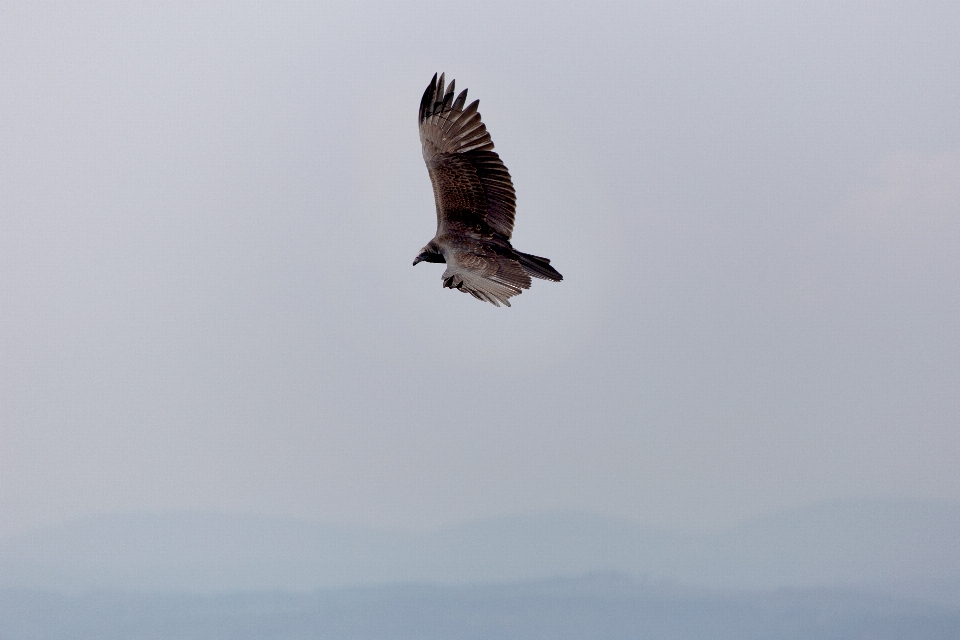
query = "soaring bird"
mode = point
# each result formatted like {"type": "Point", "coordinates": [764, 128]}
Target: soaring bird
{"type": "Point", "coordinates": [475, 202]}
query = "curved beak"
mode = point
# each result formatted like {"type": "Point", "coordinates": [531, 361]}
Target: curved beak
{"type": "Point", "coordinates": [416, 260]}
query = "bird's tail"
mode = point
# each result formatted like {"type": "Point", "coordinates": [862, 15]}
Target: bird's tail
{"type": "Point", "coordinates": [538, 267]}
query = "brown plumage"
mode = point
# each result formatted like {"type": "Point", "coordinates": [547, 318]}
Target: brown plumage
{"type": "Point", "coordinates": [475, 202]}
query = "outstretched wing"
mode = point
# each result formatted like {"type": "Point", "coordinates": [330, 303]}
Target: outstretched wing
{"type": "Point", "coordinates": [470, 183]}
{"type": "Point", "coordinates": [489, 277]}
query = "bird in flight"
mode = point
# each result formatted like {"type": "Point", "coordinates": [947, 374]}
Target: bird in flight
{"type": "Point", "coordinates": [475, 202]}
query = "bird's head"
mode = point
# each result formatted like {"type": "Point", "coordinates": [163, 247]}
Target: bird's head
{"type": "Point", "coordinates": [429, 253]}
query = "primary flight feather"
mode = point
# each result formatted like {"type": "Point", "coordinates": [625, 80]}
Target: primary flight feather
{"type": "Point", "coordinates": [475, 202]}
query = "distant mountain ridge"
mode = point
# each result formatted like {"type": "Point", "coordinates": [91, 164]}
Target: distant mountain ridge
{"type": "Point", "coordinates": [904, 547]}
{"type": "Point", "coordinates": [593, 607]}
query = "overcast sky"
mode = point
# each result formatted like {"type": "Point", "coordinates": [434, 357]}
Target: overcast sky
{"type": "Point", "coordinates": [208, 214]}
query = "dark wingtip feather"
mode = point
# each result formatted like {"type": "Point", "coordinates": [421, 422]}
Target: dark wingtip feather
{"type": "Point", "coordinates": [458, 103]}
{"type": "Point", "coordinates": [447, 98]}
{"type": "Point", "coordinates": [427, 98]}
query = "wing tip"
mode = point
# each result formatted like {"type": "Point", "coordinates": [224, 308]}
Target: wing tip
{"type": "Point", "coordinates": [438, 97]}
{"type": "Point", "coordinates": [427, 98]}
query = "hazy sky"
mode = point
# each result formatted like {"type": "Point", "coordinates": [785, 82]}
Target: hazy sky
{"type": "Point", "coordinates": [208, 214]}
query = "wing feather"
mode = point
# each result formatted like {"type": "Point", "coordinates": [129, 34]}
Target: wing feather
{"type": "Point", "coordinates": [470, 182]}
{"type": "Point", "coordinates": [458, 103]}
{"type": "Point", "coordinates": [427, 99]}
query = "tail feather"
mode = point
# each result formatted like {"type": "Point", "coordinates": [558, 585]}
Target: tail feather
{"type": "Point", "coordinates": [538, 267]}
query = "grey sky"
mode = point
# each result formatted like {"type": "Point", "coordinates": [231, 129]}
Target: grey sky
{"type": "Point", "coordinates": [208, 214]}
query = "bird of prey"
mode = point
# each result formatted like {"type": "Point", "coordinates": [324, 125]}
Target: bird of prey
{"type": "Point", "coordinates": [475, 202]}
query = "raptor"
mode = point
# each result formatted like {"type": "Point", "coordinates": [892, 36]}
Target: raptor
{"type": "Point", "coordinates": [476, 202]}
